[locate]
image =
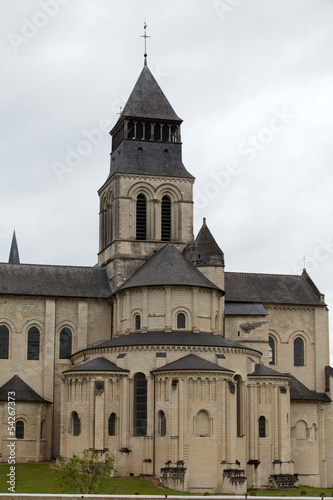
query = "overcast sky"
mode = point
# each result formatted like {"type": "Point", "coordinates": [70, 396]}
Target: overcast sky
{"type": "Point", "coordinates": [251, 79]}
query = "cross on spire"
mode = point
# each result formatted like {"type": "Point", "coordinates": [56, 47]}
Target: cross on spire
{"type": "Point", "coordinates": [304, 262]}
{"type": "Point", "coordinates": [145, 36]}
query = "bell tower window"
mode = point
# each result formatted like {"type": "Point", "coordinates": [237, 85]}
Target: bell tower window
{"type": "Point", "coordinates": [141, 217]}
{"type": "Point", "coordinates": [166, 219]}
{"type": "Point", "coordinates": [130, 130]}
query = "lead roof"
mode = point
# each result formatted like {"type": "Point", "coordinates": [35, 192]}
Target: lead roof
{"type": "Point", "coordinates": [204, 251]}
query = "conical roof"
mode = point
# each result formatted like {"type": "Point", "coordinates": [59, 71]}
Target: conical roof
{"type": "Point", "coordinates": [204, 251]}
{"type": "Point", "coordinates": [14, 257]}
{"type": "Point", "coordinates": [168, 267]}
{"type": "Point", "coordinates": [23, 391]}
{"type": "Point", "coordinates": [148, 101]}
{"type": "Point", "coordinates": [192, 362]}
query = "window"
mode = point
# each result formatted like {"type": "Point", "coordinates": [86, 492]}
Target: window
{"type": "Point", "coordinates": [65, 344]}
{"type": "Point", "coordinates": [141, 216]}
{"type": "Point", "coordinates": [4, 342]}
{"type": "Point", "coordinates": [33, 343]}
{"type": "Point", "coordinates": [237, 380]}
{"type": "Point", "coordinates": [19, 429]}
{"type": "Point", "coordinates": [166, 219]}
{"type": "Point", "coordinates": [298, 352]}
{"type": "Point", "coordinates": [174, 134]}
{"type": "Point", "coordinates": [139, 130]}
{"type": "Point", "coordinates": [181, 320]}
{"type": "Point", "coordinates": [165, 133]}
{"type": "Point", "coordinates": [271, 347]}
{"type": "Point", "coordinates": [147, 132]}
{"type": "Point", "coordinates": [161, 424]}
{"type": "Point", "coordinates": [137, 322]}
{"type": "Point", "coordinates": [76, 424]}
{"type": "Point", "coordinates": [140, 405]}
{"type": "Point", "coordinates": [130, 130]}
{"type": "Point", "coordinates": [157, 132]}
{"type": "Point", "coordinates": [112, 424]}
{"type": "Point", "coordinates": [262, 427]}
{"type": "Point", "coordinates": [42, 425]}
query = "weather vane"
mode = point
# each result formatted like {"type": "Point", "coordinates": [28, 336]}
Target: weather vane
{"type": "Point", "coordinates": [304, 262]}
{"type": "Point", "coordinates": [145, 36]}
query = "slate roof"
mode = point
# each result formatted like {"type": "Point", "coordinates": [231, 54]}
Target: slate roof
{"type": "Point", "coordinates": [245, 309]}
{"type": "Point", "coordinates": [23, 392]}
{"type": "Point", "coordinates": [97, 365]}
{"type": "Point", "coordinates": [204, 251]}
{"type": "Point", "coordinates": [270, 288]}
{"type": "Point", "coordinates": [183, 338]}
{"type": "Point", "coordinates": [168, 266]}
{"type": "Point", "coordinates": [14, 257]}
{"type": "Point", "coordinates": [265, 371]}
{"type": "Point", "coordinates": [148, 158]}
{"type": "Point", "coordinates": [147, 100]}
{"type": "Point", "coordinates": [54, 281]}
{"type": "Point", "coordinates": [191, 362]}
{"type": "Point", "coordinates": [299, 392]}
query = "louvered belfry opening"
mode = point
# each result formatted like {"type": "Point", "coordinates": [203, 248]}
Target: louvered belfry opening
{"type": "Point", "coordinates": [141, 217]}
{"type": "Point", "coordinates": [166, 219]}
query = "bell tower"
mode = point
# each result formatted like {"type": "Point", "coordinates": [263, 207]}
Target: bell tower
{"type": "Point", "coordinates": [147, 199]}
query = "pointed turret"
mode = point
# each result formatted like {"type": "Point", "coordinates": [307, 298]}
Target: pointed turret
{"type": "Point", "coordinates": [146, 138]}
{"type": "Point", "coordinates": [14, 257]}
{"type": "Point", "coordinates": [206, 255]}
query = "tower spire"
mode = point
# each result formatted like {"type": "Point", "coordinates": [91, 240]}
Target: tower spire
{"type": "Point", "coordinates": [14, 257]}
{"type": "Point", "coordinates": [145, 36]}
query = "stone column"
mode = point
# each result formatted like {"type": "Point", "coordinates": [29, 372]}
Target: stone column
{"type": "Point", "coordinates": [99, 414]}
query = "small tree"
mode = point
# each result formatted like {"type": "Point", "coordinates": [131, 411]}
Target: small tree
{"type": "Point", "coordinates": [85, 474]}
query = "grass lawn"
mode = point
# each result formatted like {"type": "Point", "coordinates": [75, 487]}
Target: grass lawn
{"type": "Point", "coordinates": [43, 478]}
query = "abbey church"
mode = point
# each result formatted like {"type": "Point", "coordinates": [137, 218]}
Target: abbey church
{"type": "Point", "coordinates": [211, 381]}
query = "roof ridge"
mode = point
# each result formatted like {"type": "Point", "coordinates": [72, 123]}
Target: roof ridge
{"type": "Point", "coordinates": [263, 274]}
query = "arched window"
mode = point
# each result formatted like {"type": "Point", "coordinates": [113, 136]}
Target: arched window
{"type": "Point", "coordinates": [271, 347]}
{"type": "Point", "coordinates": [112, 424]}
{"type": "Point", "coordinates": [19, 429]}
{"type": "Point", "coordinates": [140, 405]}
{"type": "Point", "coordinates": [141, 217]}
{"type": "Point", "coordinates": [4, 342]}
{"type": "Point", "coordinates": [181, 320]}
{"type": "Point", "coordinates": [237, 380]}
{"type": "Point", "coordinates": [202, 424]}
{"type": "Point", "coordinates": [262, 427]}
{"type": "Point", "coordinates": [65, 344]}
{"type": "Point", "coordinates": [298, 352]}
{"type": "Point", "coordinates": [76, 424]}
{"type": "Point", "coordinates": [42, 425]}
{"type": "Point", "coordinates": [33, 343]}
{"type": "Point", "coordinates": [137, 322]}
{"type": "Point", "coordinates": [301, 430]}
{"type": "Point", "coordinates": [166, 219]}
{"type": "Point", "coordinates": [161, 424]}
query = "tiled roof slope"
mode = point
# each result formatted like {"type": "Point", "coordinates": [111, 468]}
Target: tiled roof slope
{"type": "Point", "coordinates": [270, 289]}
{"type": "Point", "coordinates": [299, 392]}
{"type": "Point", "coordinates": [168, 267]}
{"type": "Point", "coordinates": [183, 338]}
{"type": "Point", "coordinates": [97, 365]}
{"type": "Point", "coordinates": [23, 392]}
{"type": "Point", "coordinates": [147, 100]}
{"type": "Point", "coordinates": [191, 362]}
{"type": "Point", "coordinates": [54, 281]}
